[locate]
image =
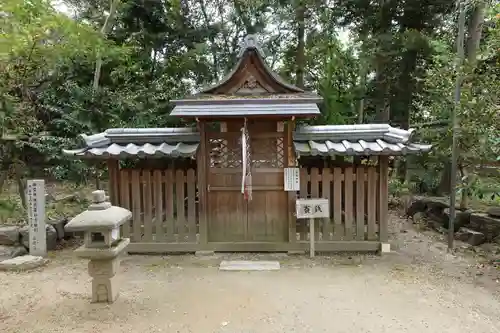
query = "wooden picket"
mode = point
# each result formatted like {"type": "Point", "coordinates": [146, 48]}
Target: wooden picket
{"type": "Point", "coordinates": [163, 205]}
{"type": "Point", "coordinates": [354, 194]}
{"type": "Point", "coordinates": [165, 213]}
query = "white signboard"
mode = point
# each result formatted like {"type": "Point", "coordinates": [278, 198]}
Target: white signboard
{"type": "Point", "coordinates": [36, 217]}
{"type": "Point", "coordinates": [312, 208]}
{"type": "Point", "coordinates": [292, 179]}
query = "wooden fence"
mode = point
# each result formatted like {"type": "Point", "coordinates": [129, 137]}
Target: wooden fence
{"type": "Point", "coordinates": [166, 212]}
{"type": "Point", "coordinates": [163, 204]}
{"type": "Point", "coordinates": [358, 203]}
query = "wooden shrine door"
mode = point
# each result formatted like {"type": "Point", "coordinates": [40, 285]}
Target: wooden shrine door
{"type": "Point", "coordinates": [230, 217]}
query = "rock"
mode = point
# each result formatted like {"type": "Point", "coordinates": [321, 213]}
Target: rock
{"type": "Point", "coordinates": [9, 252]}
{"type": "Point", "coordinates": [22, 263]}
{"type": "Point", "coordinates": [9, 235]}
{"type": "Point", "coordinates": [419, 218]}
{"type": "Point", "coordinates": [489, 226]}
{"type": "Point", "coordinates": [59, 227]}
{"type": "Point", "coordinates": [493, 211]}
{"type": "Point", "coordinates": [472, 237]}
{"type": "Point", "coordinates": [67, 198]}
{"type": "Point", "coordinates": [416, 205]}
{"type": "Point", "coordinates": [461, 219]}
{"type": "Point", "coordinates": [51, 237]}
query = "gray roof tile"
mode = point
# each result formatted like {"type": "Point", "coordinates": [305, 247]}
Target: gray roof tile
{"type": "Point", "coordinates": [372, 139]}
{"type": "Point", "coordinates": [360, 147]}
{"type": "Point", "coordinates": [145, 150]}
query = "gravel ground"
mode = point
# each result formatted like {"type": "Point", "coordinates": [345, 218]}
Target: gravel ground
{"type": "Point", "coordinates": [419, 288]}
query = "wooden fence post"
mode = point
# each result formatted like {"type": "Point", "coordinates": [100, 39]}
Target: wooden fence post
{"type": "Point", "coordinates": [383, 198]}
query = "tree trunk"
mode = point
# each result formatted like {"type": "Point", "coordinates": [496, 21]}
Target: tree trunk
{"type": "Point", "coordinates": [464, 195]}
{"type": "Point", "coordinates": [474, 32]}
{"type": "Point", "coordinates": [362, 84]}
{"type": "Point", "coordinates": [21, 185]}
{"type": "Point", "coordinates": [213, 46]}
{"type": "Point", "coordinates": [380, 32]}
{"type": "Point", "coordinates": [444, 184]}
{"type": "Point", "coordinates": [3, 178]}
{"type": "Point", "coordinates": [301, 32]}
{"type": "Point", "coordinates": [108, 23]}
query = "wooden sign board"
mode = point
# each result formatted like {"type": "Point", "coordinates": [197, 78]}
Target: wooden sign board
{"type": "Point", "coordinates": [292, 179]}
{"type": "Point", "coordinates": [312, 208]}
{"type": "Point", "coordinates": [36, 217]}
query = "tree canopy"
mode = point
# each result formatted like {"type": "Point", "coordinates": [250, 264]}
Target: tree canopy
{"type": "Point", "coordinates": [118, 63]}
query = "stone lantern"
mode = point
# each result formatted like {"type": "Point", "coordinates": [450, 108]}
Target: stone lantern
{"type": "Point", "coordinates": [102, 244]}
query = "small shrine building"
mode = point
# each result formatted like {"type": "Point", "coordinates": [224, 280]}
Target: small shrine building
{"type": "Point", "coordinates": [220, 186]}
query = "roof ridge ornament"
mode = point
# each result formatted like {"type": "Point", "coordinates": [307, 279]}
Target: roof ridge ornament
{"type": "Point", "coordinates": [251, 42]}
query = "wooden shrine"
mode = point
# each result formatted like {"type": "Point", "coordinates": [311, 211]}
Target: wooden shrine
{"type": "Point", "coordinates": [221, 186]}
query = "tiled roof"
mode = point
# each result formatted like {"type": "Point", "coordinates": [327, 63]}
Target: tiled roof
{"type": "Point", "coordinates": [145, 150]}
{"type": "Point", "coordinates": [373, 139]}
{"type": "Point", "coordinates": [366, 139]}
{"type": "Point", "coordinates": [360, 147]}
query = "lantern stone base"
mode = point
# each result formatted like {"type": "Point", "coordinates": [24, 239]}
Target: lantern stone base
{"type": "Point", "coordinates": [102, 253]}
{"type": "Point", "coordinates": [103, 266]}
{"type": "Point", "coordinates": [104, 283]}
{"type": "Point", "coordinates": [104, 290]}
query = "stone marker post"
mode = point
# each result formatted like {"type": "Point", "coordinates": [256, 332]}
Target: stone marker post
{"type": "Point", "coordinates": [36, 217]}
{"type": "Point", "coordinates": [102, 244]}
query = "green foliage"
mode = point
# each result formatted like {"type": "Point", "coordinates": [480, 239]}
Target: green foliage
{"type": "Point", "coordinates": [398, 64]}
{"type": "Point", "coordinates": [397, 188]}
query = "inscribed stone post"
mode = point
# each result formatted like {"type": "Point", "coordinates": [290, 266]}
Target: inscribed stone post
{"type": "Point", "coordinates": [36, 217]}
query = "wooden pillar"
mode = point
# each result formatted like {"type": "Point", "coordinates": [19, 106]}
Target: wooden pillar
{"type": "Point", "coordinates": [292, 197]}
{"type": "Point", "coordinates": [383, 169]}
{"type": "Point", "coordinates": [114, 181]}
{"type": "Point", "coordinates": [202, 174]}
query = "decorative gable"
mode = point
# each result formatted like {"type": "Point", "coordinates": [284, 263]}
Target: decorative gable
{"type": "Point", "coordinates": [251, 75]}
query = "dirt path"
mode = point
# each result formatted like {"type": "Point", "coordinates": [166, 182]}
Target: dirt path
{"type": "Point", "coordinates": [418, 289]}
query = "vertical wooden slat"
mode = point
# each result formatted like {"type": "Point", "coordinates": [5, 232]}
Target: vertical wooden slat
{"type": "Point", "coordinates": [371, 204]}
{"type": "Point", "coordinates": [113, 181]}
{"type": "Point", "coordinates": [169, 205]}
{"type": "Point", "coordinates": [148, 206]}
{"type": "Point", "coordinates": [348, 202]}
{"type": "Point", "coordinates": [383, 198]}
{"type": "Point", "coordinates": [136, 205]}
{"type": "Point", "coordinates": [191, 208]}
{"type": "Point", "coordinates": [125, 199]}
{"type": "Point", "coordinates": [360, 203]}
{"type": "Point", "coordinates": [303, 195]}
{"type": "Point", "coordinates": [325, 193]}
{"type": "Point", "coordinates": [158, 198]}
{"type": "Point", "coordinates": [315, 194]}
{"type": "Point", "coordinates": [338, 231]}
{"type": "Point", "coordinates": [292, 196]}
{"type": "Point", "coordinates": [180, 221]}
{"type": "Point", "coordinates": [201, 179]}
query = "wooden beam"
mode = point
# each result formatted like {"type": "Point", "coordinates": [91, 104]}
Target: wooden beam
{"type": "Point", "coordinates": [292, 196]}
{"type": "Point", "coordinates": [201, 177]}
{"type": "Point", "coordinates": [330, 246]}
{"type": "Point", "coordinates": [383, 198]}
{"type": "Point", "coordinates": [113, 181]}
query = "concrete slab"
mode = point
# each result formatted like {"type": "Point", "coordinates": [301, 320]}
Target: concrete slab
{"type": "Point", "coordinates": [22, 263]}
{"type": "Point", "coordinates": [244, 265]}
{"type": "Point", "coordinates": [204, 253]}
{"type": "Point", "coordinates": [385, 248]}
